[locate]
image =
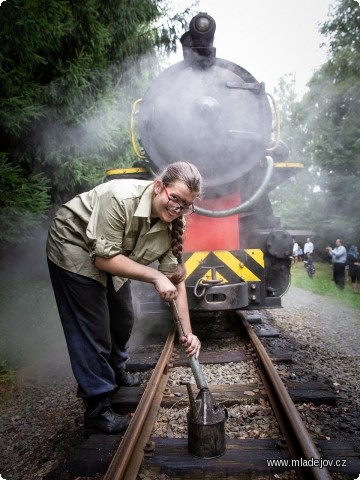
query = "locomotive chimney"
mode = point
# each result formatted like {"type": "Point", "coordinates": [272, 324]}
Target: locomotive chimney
{"type": "Point", "coordinates": [197, 43]}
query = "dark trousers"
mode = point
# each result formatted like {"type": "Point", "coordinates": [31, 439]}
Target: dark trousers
{"type": "Point", "coordinates": [97, 323]}
{"type": "Point", "coordinates": [339, 274]}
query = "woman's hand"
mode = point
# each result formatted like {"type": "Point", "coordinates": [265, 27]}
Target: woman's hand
{"type": "Point", "coordinates": [192, 345]}
{"type": "Point", "coordinates": [167, 290]}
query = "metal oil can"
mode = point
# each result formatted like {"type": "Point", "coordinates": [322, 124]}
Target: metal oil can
{"type": "Point", "coordinates": [206, 425]}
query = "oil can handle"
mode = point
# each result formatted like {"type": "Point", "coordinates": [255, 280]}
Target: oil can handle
{"type": "Point", "coordinates": [198, 373]}
{"type": "Point", "coordinates": [194, 362]}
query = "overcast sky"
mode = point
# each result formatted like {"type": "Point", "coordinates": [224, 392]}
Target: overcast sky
{"type": "Point", "coordinates": [269, 38]}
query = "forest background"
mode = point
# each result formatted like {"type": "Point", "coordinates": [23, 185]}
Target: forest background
{"type": "Point", "coordinates": [70, 72]}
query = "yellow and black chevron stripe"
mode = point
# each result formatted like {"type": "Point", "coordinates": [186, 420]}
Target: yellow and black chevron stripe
{"type": "Point", "coordinates": [232, 266]}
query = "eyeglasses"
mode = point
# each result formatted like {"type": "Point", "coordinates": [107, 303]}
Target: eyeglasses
{"type": "Point", "coordinates": [174, 206]}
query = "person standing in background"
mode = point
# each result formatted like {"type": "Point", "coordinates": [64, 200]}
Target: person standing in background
{"type": "Point", "coordinates": [295, 252]}
{"type": "Point", "coordinates": [338, 255]}
{"type": "Point", "coordinates": [309, 265]}
{"type": "Point", "coordinates": [353, 260]}
{"type": "Point", "coordinates": [308, 247]}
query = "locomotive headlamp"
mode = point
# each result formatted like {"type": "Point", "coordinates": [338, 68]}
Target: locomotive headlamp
{"type": "Point", "coordinates": [203, 24]}
{"type": "Point", "coordinates": [202, 29]}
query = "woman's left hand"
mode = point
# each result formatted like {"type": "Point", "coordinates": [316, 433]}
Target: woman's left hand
{"type": "Point", "coordinates": [192, 345]}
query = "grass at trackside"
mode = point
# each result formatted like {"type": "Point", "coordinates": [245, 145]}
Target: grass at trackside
{"type": "Point", "coordinates": [322, 284]}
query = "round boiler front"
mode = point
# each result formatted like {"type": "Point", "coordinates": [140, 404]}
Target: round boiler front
{"type": "Point", "coordinates": [218, 118]}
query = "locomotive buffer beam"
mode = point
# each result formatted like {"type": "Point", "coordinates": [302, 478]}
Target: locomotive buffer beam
{"type": "Point", "coordinates": [215, 294]}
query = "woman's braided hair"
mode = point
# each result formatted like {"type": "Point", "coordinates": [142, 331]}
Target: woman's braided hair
{"type": "Point", "coordinates": [188, 174]}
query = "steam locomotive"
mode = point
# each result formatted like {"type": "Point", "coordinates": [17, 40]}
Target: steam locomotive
{"type": "Point", "coordinates": [215, 114]}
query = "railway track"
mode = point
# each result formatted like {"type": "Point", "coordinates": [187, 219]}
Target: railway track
{"type": "Point", "coordinates": [288, 452]}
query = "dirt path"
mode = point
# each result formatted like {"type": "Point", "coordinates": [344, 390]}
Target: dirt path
{"type": "Point", "coordinates": [334, 324]}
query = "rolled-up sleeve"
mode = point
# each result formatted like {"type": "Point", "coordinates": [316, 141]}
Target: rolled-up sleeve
{"type": "Point", "coordinates": [167, 263]}
{"type": "Point", "coordinates": [105, 230]}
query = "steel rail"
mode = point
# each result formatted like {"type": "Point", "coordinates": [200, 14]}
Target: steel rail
{"type": "Point", "coordinates": [128, 457]}
{"type": "Point", "coordinates": [299, 441]}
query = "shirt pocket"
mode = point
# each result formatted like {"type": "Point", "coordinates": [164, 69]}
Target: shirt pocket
{"type": "Point", "coordinates": [148, 257]}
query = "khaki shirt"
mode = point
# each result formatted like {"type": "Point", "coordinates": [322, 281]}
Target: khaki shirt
{"type": "Point", "coordinates": [111, 219]}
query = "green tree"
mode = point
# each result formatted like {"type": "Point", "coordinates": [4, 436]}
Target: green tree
{"type": "Point", "coordinates": [323, 132]}
{"type": "Point", "coordinates": [69, 73]}
{"type": "Point", "coordinates": [23, 201]}
{"type": "Point", "coordinates": [294, 199]}
{"type": "Point", "coordinates": [334, 123]}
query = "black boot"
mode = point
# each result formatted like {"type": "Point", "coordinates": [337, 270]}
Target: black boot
{"type": "Point", "coordinates": [124, 378]}
{"type": "Point", "coordinates": [99, 417]}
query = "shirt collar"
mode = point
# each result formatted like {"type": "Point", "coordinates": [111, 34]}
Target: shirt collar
{"type": "Point", "coordinates": [144, 209]}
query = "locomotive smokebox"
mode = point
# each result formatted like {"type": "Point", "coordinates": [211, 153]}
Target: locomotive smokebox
{"type": "Point", "coordinates": [207, 111]}
{"type": "Point", "coordinates": [206, 425]}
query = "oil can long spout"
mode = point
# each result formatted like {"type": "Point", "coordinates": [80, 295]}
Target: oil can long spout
{"type": "Point", "coordinates": [191, 398]}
